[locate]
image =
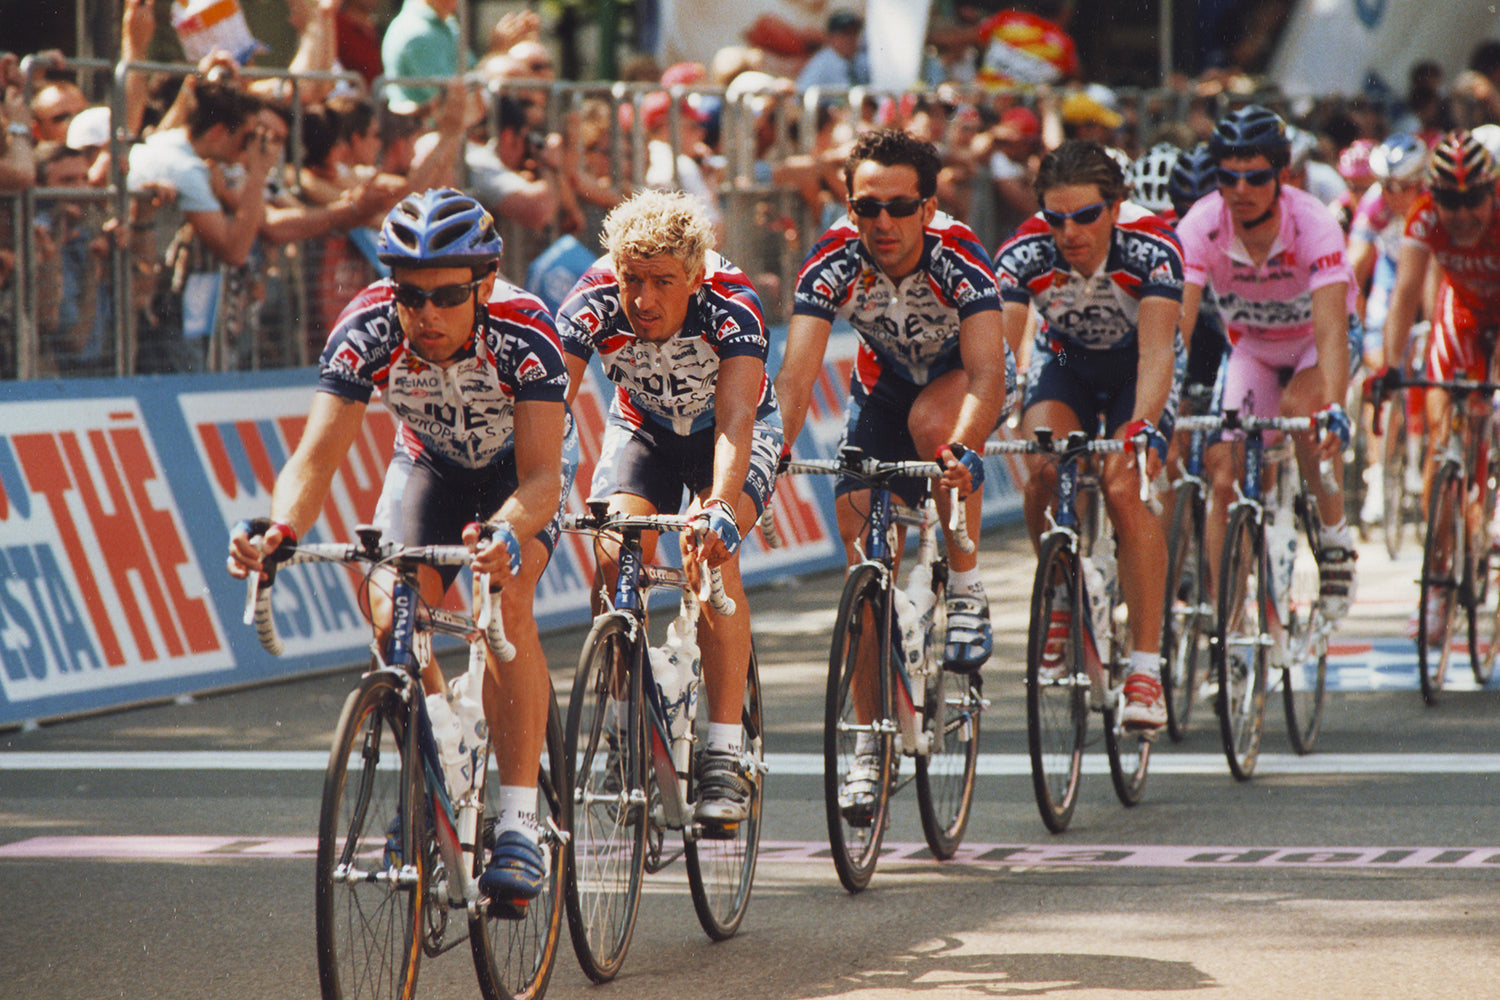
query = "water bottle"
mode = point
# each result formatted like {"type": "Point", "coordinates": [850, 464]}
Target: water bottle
{"type": "Point", "coordinates": [446, 730]}
{"type": "Point", "coordinates": [675, 667]}
{"type": "Point", "coordinates": [1281, 548]}
{"type": "Point", "coordinates": [919, 590]}
{"type": "Point", "coordinates": [910, 638]}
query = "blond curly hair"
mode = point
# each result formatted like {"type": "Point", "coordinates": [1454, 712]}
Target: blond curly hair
{"type": "Point", "coordinates": [659, 223]}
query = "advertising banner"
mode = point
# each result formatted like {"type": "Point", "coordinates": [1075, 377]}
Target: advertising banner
{"type": "Point", "coordinates": [116, 497]}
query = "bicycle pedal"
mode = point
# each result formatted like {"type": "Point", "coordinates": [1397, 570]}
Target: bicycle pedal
{"type": "Point", "coordinates": [718, 831]}
{"type": "Point", "coordinates": [509, 909]}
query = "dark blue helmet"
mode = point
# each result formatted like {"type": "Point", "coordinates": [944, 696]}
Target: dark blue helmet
{"type": "Point", "coordinates": [1249, 131]}
{"type": "Point", "coordinates": [1192, 177]}
{"type": "Point", "coordinates": [439, 228]}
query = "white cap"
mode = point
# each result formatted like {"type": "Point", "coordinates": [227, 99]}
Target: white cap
{"type": "Point", "coordinates": [90, 127]}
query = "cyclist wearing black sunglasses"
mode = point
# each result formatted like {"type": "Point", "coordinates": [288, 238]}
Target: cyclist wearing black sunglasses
{"type": "Point", "coordinates": [1274, 256]}
{"type": "Point", "coordinates": [933, 368]}
{"type": "Point", "coordinates": [1455, 224]}
{"type": "Point", "coordinates": [472, 369]}
{"type": "Point", "coordinates": [1105, 278]}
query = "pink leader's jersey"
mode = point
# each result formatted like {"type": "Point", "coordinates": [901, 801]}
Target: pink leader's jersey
{"type": "Point", "coordinates": [1271, 301]}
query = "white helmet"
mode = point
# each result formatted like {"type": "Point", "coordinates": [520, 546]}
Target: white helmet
{"type": "Point", "coordinates": [1148, 177]}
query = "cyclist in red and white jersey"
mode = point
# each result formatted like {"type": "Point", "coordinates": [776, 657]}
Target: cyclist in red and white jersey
{"type": "Point", "coordinates": [1274, 258]}
{"type": "Point", "coordinates": [1456, 225]}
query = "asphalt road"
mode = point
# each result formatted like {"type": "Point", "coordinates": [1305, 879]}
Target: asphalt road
{"type": "Point", "coordinates": [166, 851]}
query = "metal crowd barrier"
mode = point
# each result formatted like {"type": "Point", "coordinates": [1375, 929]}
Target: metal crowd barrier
{"type": "Point", "coordinates": [276, 313]}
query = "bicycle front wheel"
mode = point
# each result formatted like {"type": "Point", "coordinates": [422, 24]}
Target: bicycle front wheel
{"type": "Point", "coordinates": [514, 958]}
{"type": "Point", "coordinates": [1441, 603]}
{"type": "Point", "coordinates": [721, 860]}
{"type": "Point", "coordinates": [1187, 616]}
{"type": "Point", "coordinates": [857, 744]}
{"type": "Point", "coordinates": [1393, 479]}
{"type": "Point", "coordinates": [951, 707]}
{"type": "Point", "coordinates": [1304, 675]}
{"type": "Point", "coordinates": [370, 870]}
{"type": "Point", "coordinates": [1057, 715]}
{"type": "Point", "coordinates": [1239, 648]}
{"type": "Point", "coordinates": [606, 757]}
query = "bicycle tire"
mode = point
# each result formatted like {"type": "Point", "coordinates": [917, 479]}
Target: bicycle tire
{"type": "Point", "coordinates": [1304, 678]}
{"type": "Point", "coordinates": [1481, 550]}
{"type": "Point", "coordinates": [1442, 577]}
{"type": "Point", "coordinates": [1056, 707]}
{"type": "Point", "coordinates": [1239, 655]}
{"type": "Point", "coordinates": [721, 871]}
{"type": "Point", "coordinates": [361, 919]}
{"type": "Point", "coordinates": [513, 959]}
{"type": "Point", "coordinates": [607, 851]}
{"type": "Point", "coordinates": [1185, 616]}
{"type": "Point", "coordinates": [1393, 478]}
{"type": "Point", "coordinates": [862, 629]}
{"type": "Point", "coordinates": [951, 710]}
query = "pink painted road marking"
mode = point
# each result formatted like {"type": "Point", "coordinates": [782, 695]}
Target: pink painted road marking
{"type": "Point", "coordinates": [172, 848]}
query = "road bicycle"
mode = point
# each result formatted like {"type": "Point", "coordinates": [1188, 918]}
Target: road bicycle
{"type": "Point", "coordinates": [1402, 450]}
{"type": "Point", "coordinates": [889, 694]}
{"type": "Point", "coordinates": [1456, 553]}
{"type": "Point", "coordinates": [405, 832]}
{"type": "Point", "coordinates": [1269, 614]}
{"type": "Point", "coordinates": [1188, 615]}
{"type": "Point", "coordinates": [633, 746]}
{"type": "Point", "coordinates": [1078, 645]}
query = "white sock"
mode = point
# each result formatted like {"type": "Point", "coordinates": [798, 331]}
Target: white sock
{"type": "Point", "coordinates": [517, 811]}
{"type": "Point", "coordinates": [1337, 534]}
{"type": "Point", "coordinates": [723, 737]}
{"type": "Point", "coordinates": [967, 583]}
{"type": "Point", "coordinates": [1145, 663]}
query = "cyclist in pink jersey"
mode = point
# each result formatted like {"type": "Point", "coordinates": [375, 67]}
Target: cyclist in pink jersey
{"type": "Point", "coordinates": [1274, 258]}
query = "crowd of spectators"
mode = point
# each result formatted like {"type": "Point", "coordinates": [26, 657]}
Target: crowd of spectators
{"type": "Point", "coordinates": [253, 201]}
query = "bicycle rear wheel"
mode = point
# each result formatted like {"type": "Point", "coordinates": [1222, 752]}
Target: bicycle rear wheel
{"type": "Point", "coordinates": [1239, 654]}
{"type": "Point", "coordinates": [951, 707]}
{"type": "Point", "coordinates": [858, 662]}
{"type": "Point", "coordinates": [1441, 601]}
{"type": "Point", "coordinates": [1056, 697]}
{"type": "Point", "coordinates": [1304, 676]}
{"type": "Point", "coordinates": [369, 870]}
{"type": "Point", "coordinates": [1186, 617]}
{"type": "Point", "coordinates": [721, 868]}
{"type": "Point", "coordinates": [514, 958]}
{"type": "Point", "coordinates": [606, 756]}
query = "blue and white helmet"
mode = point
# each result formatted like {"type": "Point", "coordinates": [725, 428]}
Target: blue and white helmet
{"type": "Point", "coordinates": [1400, 157]}
{"type": "Point", "coordinates": [439, 228]}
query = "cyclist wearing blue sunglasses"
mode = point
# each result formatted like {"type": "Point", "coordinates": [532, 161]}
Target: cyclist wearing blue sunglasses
{"type": "Point", "coordinates": [1105, 278]}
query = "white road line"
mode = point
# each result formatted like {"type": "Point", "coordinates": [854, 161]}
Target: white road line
{"type": "Point", "coordinates": [990, 764]}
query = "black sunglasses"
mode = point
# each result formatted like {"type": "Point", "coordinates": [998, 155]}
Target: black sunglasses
{"type": "Point", "coordinates": [1083, 216]}
{"type": "Point", "coordinates": [1255, 178]}
{"type": "Point", "coordinates": [1455, 200]}
{"type": "Point", "coordinates": [897, 208]}
{"type": "Point", "coordinates": [443, 296]}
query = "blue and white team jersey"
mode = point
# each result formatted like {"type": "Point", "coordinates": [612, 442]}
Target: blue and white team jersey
{"type": "Point", "coordinates": [462, 413]}
{"type": "Point", "coordinates": [1099, 311]}
{"type": "Point", "coordinates": [671, 383]}
{"type": "Point", "coordinates": [908, 329]}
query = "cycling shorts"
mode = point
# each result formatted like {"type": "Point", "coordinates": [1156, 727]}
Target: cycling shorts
{"type": "Point", "coordinates": [1259, 369]}
{"type": "Point", "coordinates": [651, 461]}
{"type": "Point", "coordinates": [1095, 384]}
{"type": "Point", "coordinates": [428, 501]}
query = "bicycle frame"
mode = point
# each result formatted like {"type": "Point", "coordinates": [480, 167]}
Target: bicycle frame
{"type": "Point", "coordinates": [671, 759]}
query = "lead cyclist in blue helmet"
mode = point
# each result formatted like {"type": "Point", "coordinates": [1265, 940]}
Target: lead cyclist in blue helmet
{"type": "Point", "coordinates": [472, 369]}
